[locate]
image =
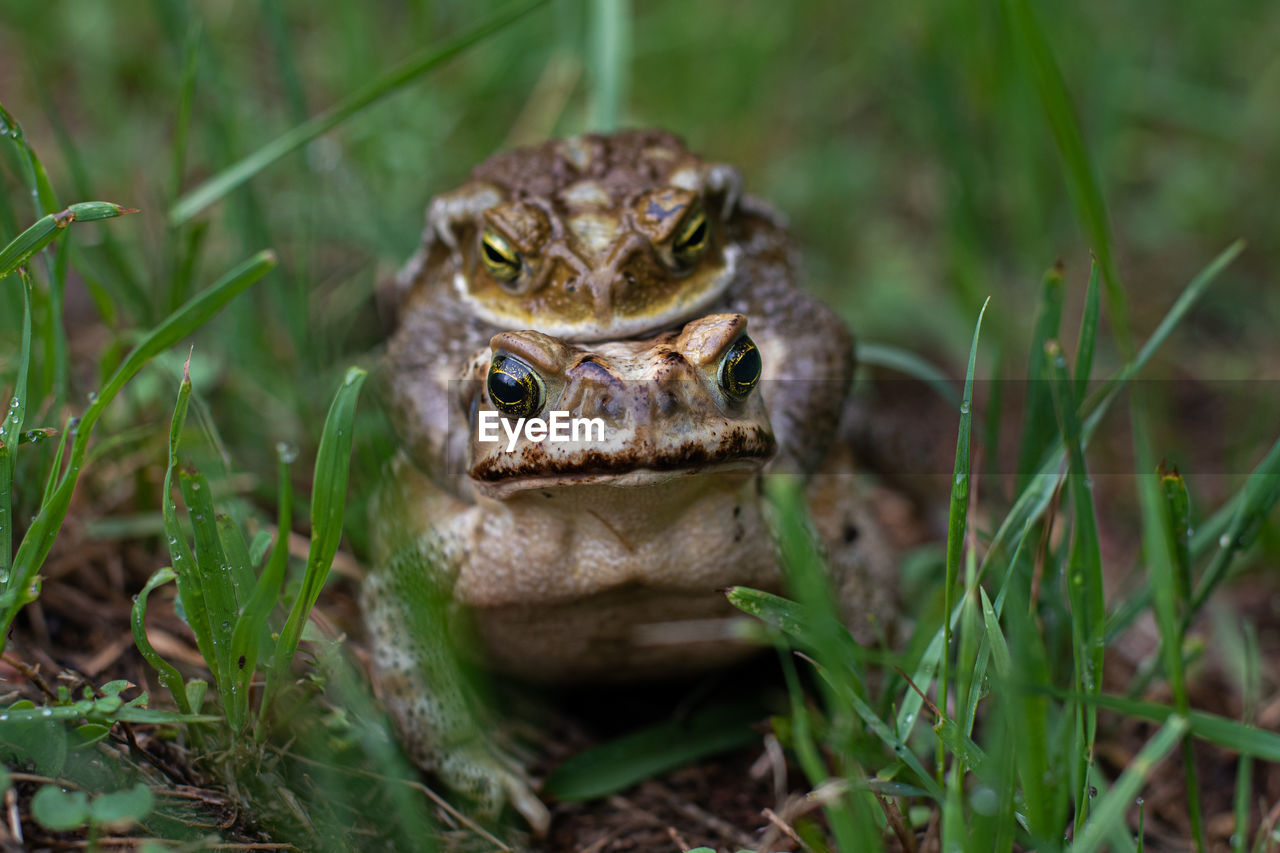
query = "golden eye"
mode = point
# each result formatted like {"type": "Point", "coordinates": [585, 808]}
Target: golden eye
{"type": "Point", "coordinates": [515, 388]}
{"type": "Point", "coordinates": [740, 369]}
{"type": "Point", "coordinates": [692, 238]}
{"type": "Point", "coordinates": [500, 259]}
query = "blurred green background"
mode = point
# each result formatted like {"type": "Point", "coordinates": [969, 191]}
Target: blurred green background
{"type": "Point", "coordinates": [907, 142]}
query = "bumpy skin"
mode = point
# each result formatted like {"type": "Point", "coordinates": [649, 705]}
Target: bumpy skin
{"type": "Point", "coordinates": [584, 561]}
{"type": "Point", "coordinates": [597, 268]}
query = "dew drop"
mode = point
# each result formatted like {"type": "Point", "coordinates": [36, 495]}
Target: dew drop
{"type": "Point", "coordinates": [1224, 541]}
{"type": "Point", "coordinates": [15, 403]}
{"type": "Point", "coordinates": [46, 712]}
{"type": "Point", "coordinates": [93, 397]}
{"type": "Point", "coordinates": [288, 453]}
{"type": "Point", "coordinates": [964, 407]}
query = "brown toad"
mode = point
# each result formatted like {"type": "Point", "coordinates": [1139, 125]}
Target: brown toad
{"type": "Point", "coordinates": [636, 269]}
{"type": "Point", "coordinates": [563, 557]}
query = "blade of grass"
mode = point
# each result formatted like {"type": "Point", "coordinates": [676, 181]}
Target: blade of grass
{"type": "Point", "coordinates": [1250, 679]}
{"type": "Point", "coordinates": [1161, 549]}
{"type": "Point", "coordinates": [250, 630]}
{"type": "Point", "coordinates": [40, 535]}
{"type": "Point", "coordinates": [48, 228]}
{"type": "Point", "coordinates": [1082, 180]}
{"type": "Point", "coordinates": [850, 813]}
{"type": "Point", "coordinates": [957, 522]}
{"type": "Point", "coordinates": [1084, 576]}
{"type": "Point", "coordinates": [1218, 730]}
{"type": "Point", "coordinates": [11, 420]}
{"type": "Point", "coordinates": [233, 176]}
{"type": "Point", "coordinates": [189, 579]}
{"type": "Point", "coordinates": [1038, 418]}
{"type": "Point", "coordinates": [169, 676]}
{"type": "Point", "coordinates": [1087, 345]}
{"type": "Point", "coordinates": [1111, 809]}
{"type": "Point", "coordinates": [215, 580]}
{"type": "Point", "coordinates": [37, 179]}
{"type": "Point", "coordinates": [610, 57]}
{"type": "Point", "coordinates": [236, 551]}
{"type": "Point", "coordinates": [328, 503]}
{"type": "Point", "coordinates": [1259, 497]}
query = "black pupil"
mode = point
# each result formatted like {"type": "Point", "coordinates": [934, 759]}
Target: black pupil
{"type": "Point", "coordinates": [695, 236]}
{"type": "Point", "coordinates": [495, 256]}
{"type": "Point", "coordinates": [746, 367]}
{"type": "Point", "coordinates": [505, 389]}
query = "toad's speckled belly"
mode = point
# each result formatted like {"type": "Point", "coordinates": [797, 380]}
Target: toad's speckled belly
{"type": "Point", "coordinates": [631, 633]}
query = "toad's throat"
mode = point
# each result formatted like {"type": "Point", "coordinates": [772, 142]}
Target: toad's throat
{"type": "Point", "coordinates": [749, 447]}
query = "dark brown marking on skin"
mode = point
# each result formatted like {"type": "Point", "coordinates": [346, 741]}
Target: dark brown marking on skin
{"type": "Point", "coordinates": [739, 444]}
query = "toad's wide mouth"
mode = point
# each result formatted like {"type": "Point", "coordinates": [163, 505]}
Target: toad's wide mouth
{"type": "Point", "coordinates": [502, 474]}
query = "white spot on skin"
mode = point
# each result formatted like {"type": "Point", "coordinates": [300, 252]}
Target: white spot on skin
{"type": "Point", "coordinates": [587, 194]}
{"type": "Point", "coordinates": [595, 232]}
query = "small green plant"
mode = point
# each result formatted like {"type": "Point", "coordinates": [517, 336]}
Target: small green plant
{"type": "Point", "coordinates": [61, 811]}
{"type": "Point", "coordinates": [224, 600]}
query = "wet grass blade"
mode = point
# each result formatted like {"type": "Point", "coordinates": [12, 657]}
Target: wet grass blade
{"type": "Point", "coordinates": [250, 630]}
{"type": "Point", "coordinates": [1111, 809]}
{"type": "Point", "coordinates": [236, 550]}
{"type": "Point", "coordinates": [957, 519]}
{"type": "Point", "coordinates": [50, 227]}
{"type": "Point", "coordinates": [190, 583]}
{"type": "Point", "coordinates": [44, 529]}
{"type": "Point", "coordinates": [37, 179]}
{"type": "Point", "coordinates": [1038, 426]}
{"type": "Point", "coordinates": [328, 503]}
{"type": "Point", "coordinates": [1084, 574]}
{"type": "Point", "coordinates": [1213, 728]}
{"type": "Point", "coordinates": [228, 179]}
{"type": "Point", "coordinates": [215, 580]}
{"type": "Point", "coordinates": [1250, 679]}
{"type": "Point", "coordinates": [1258, 497]}
{"type": "Point", "coordinates": [11, 421]}
{"type": "Point", "coordinates": [1087, 345]}
{"type": "Point", "coordinates": [169, 676]}
{"type": "Point", "coordinates": [1176, 575]}
{"type": "Point", "coordinates": [1082, 179]}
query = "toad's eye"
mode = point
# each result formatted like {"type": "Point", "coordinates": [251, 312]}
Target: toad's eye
{"type": "Point", "coordinates": [499, 257]}
{"type": "Point", "coordinates": [691, 239]}
{"type": "Point", "coordinates": [515, 388]}
{"type": "Point", "coordinates": [740, 369]}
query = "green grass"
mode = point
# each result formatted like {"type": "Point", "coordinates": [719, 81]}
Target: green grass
{"type": "Point", "coordinates": [927, 154]}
